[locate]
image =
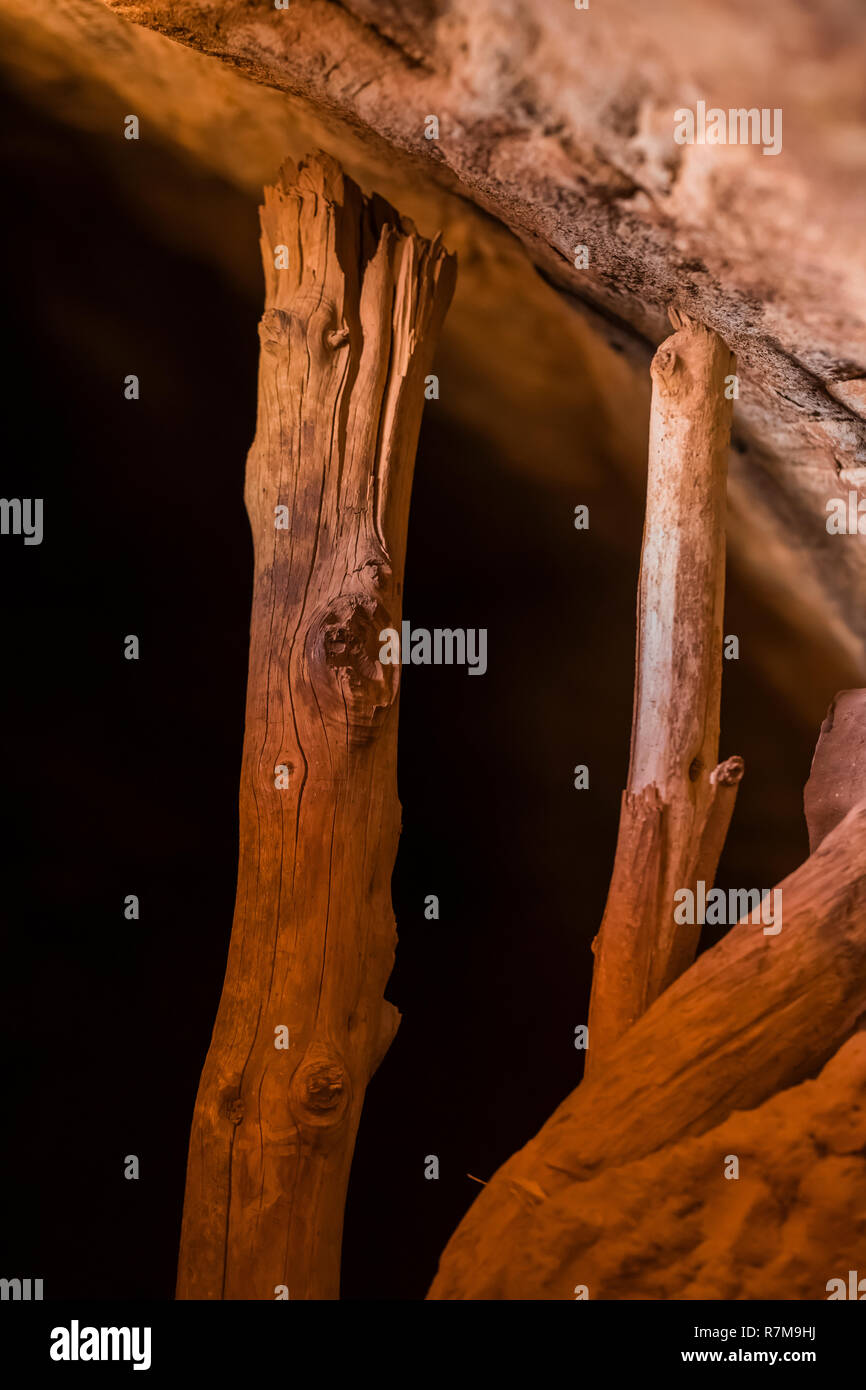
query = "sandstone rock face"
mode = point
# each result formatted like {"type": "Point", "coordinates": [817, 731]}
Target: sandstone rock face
{"type": "Point", "coordinates": [673, 1226]}
{"type": "Point", "coordinates": [559, 122]}
{"type": "Point", "coordinates": [556, 131]}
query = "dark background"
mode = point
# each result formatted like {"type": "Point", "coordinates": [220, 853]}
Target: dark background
{"type": "Point", "coordinates": [121, 777]}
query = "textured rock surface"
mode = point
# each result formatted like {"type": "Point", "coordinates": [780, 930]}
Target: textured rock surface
{"type": "Point", "coordinates": [555, 130]}
{"type": "Point", "coordinates": [673, 1226]}
{"type": "Point", "coordinates": [558, 122]}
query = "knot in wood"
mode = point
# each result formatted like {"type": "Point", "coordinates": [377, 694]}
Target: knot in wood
{"type": "Point", "coordinates": [665, 362]}
{"type": "Point", "coordinates": [274, 330]}
{"type": "Point", "coordinates": [308, 323]}
{"type": "Point", "coordinates": [343, 646]}
{"type": "Point", "coordinates": [320, 1089]}
{"type": "Point", "coordinates": [375, 576]}
{"type": "Point", "coordinates": [729, 772]}
{"type": "Point", "coordinates": [323, 1086]}
{"type": "Point", "coordinates": [232, 1107]}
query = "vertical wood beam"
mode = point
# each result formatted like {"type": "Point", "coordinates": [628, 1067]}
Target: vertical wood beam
{"type": "Point", "coordinates": [347, 336]}
{"type": "Point", "coordinates": [677, 803]}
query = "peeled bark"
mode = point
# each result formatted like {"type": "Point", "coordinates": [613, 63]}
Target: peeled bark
{"type": "Point", "coordinates": [347, 336]}
{"type": "Point", "coordinates": [677, 803]}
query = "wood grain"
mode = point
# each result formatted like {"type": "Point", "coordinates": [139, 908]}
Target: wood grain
{"type": "Point", "coordinates": [753, 1015]}
{"type": "Point", "coordinates": [347, 336]}
{"type": "Point", "coordinates": [837, 780]}
{"type": "Point", "coordinates": [677, 802]}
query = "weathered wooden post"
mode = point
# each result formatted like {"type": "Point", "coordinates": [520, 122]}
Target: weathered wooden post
{"type": "Point", "coordinates": [751, 1017]}
{"type": "Point", "coordinates": [355, 299]}
{"type": "Point", "coordinates": [682, 1045]}
{"type": "Point", "coordinates": [677, 803]}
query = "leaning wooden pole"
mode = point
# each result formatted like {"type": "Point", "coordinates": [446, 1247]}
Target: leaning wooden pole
{"type": "Point", "coordinates": [753, 1016]}
{"type": "Point", "coordinates": [678, 802]}
{"type": "Point", "coordinates": [354, 302]}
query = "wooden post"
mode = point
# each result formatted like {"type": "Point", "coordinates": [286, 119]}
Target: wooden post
{"type": "Point", "coordinates": [752, 1016]}
{"type": "Point", "coordinates": [355, 299]}
{"type": "Point", "coordinates": [677, 803]}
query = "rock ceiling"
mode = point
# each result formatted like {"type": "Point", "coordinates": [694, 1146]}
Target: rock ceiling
{"type": "Point", "coordinates": [555, 130]}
